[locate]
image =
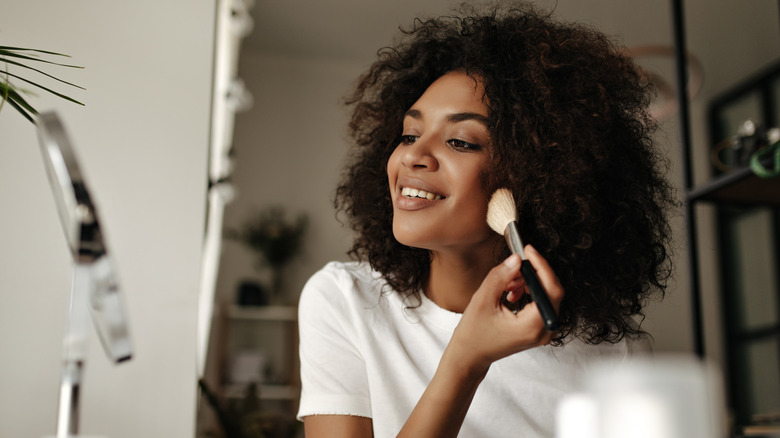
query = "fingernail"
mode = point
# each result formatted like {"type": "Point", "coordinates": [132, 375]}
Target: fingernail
{"type": "Point", "coordinates": [531, 248]}
{"type": "Point", "coordinates": [512, 262]}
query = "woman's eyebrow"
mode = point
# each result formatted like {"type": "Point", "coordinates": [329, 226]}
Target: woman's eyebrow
{"type": "Point", "coordinates": [460, 117]}
{"type": "Point", "coordinates": [413, 113]}
{"type": "Point", "coordinates": [453, 118]}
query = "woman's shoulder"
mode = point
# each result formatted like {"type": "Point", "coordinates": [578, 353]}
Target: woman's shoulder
{"type": "Point", "coordinates": [352, 274]}
{"type": "Point", "coordinates": [344, 281]}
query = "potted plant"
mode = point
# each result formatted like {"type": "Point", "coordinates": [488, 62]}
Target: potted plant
{"type": "Point", "coordinates": [245, 417]}
{"type": "Point", "coordinates": [23, 58]}
{"type": "Point", "coordinates": [275, 239]}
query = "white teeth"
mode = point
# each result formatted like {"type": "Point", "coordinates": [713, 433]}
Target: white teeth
{"type": "Point", "coordinates": [416, 193]}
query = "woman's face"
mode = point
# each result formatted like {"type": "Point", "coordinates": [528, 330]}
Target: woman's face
{"type": "Point", "coordinates": [435, 173]}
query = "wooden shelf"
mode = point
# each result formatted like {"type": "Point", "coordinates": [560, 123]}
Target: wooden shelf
{"type": "Point", "coordinates": [263, 313]}
{"type": "Point", "coordinates": [265, 392]}
{"type": "Point", "coordinates": [741, 187]}
{"type": "Point", "coordinates": [761, 431]}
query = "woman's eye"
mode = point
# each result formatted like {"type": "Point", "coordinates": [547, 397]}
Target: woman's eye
{"type": "Point", "coordinates": [463, 145]}
{"type": "Point", "coordinates": [408, 139]}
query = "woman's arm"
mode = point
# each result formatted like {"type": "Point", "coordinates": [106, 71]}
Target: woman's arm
{"type": "Point", "coordinates": [337, 426]}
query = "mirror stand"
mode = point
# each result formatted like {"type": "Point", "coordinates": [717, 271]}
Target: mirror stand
{"type": "Point", "coordinates": [95, 293]}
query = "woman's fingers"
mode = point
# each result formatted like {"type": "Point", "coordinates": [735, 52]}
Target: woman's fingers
{"type": "Point", "coordinates": [502, 275]}
{"type": "Point", "coordinates": [489, 330]}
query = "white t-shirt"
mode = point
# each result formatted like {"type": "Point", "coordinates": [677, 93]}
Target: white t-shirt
{"type": "Point", "coordinates": [364, 351]}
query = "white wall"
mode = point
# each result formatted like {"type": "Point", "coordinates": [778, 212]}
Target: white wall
{"type": "Point", "coordinates": [142, 139]}
{"type": "Point", "coordinates": [288, 151]}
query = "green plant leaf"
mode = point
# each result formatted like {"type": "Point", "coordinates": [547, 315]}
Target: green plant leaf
{"type": "Point", "coordinates": [24, 49]}
{"type": "Point", "coordinates": [47, 89]}
{"type": "Point", "coordinates": [14, 97]}
{"type": "Point", "coordinates": [12, 56]}
{"type": "Point", "coordinates": [21, 110]}
{"type": "Point", "coordinates": [36, 59]}
{"type": "Point", "coordinates": [19, 64]}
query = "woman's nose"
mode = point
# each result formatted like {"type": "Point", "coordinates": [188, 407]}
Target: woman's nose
{"type": "Point", "coordinates": [420, 155]}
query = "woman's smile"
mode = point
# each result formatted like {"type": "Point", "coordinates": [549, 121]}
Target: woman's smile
{"type": "Point", "coordinates": [411, 193]}
{"type": "Point", "coordinates": [414, 194]}
{"type": "Point", "coordinates": [415, 199]}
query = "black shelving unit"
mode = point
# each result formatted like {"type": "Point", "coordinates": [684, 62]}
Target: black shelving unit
{"type": "Point", "coordinates": [735, 195]}
{"type": "Point", "coordinates": [740, 187]}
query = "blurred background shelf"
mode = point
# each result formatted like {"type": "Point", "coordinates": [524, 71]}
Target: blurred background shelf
{"type": "Point", "coordinates": [265, 392]}
{"type": "Point", "coordinates": [263, 313]}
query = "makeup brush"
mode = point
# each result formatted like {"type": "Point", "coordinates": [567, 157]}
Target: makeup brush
{"type": "Point", "coordinates": [502, 218]}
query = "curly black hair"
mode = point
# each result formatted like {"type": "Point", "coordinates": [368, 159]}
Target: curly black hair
{"type": "Point", "coordinates": [571, 139]}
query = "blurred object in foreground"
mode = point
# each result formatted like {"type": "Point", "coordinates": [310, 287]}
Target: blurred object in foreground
{"type": "Point", "coordinates": [648, 397]}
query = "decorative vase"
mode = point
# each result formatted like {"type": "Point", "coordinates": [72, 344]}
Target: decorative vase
{"type": "Point", "coordinates": [250, 293]}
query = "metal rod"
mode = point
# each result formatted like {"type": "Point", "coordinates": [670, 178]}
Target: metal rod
{"type": "Point", "coordinates": [681, 62]}
{"type": "Point", "coordinates": [70, 391]}
{"type": "Point", "coordinates": [75, 352]}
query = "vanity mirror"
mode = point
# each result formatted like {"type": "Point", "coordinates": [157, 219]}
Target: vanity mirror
{"type": "Point", "coordinates": [142, 143]}
{"type": "Point", "coordinates": [96, 294]}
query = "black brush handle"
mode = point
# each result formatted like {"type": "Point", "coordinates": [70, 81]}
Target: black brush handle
{"type": "Point", "coordinates": [539, 296]}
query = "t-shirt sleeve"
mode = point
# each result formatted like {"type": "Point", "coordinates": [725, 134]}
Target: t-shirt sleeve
{"type": "Point", "coordinates": [333, 372]}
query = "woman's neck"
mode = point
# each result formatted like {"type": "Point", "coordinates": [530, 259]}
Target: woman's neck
{"type": "Point", "coordinates": [454, 277]}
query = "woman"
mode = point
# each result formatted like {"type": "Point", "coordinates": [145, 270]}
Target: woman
{"type": "Point", "coordinates": [414, 338]}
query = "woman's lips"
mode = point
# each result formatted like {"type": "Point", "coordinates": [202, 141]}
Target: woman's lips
{"type": "Point", "coordinates": [412, 198]}
{"type": "Point", "coordinates": [414, 193]}
{"type": "Point", "coordinates": [404, 203]}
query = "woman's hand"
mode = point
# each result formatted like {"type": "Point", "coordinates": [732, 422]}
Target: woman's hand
{"type": "Point", "coordinates": [488, 330]}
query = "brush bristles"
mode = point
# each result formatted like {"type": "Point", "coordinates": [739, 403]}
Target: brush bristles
{"type": "Point", "coordinates": [501, 210]}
